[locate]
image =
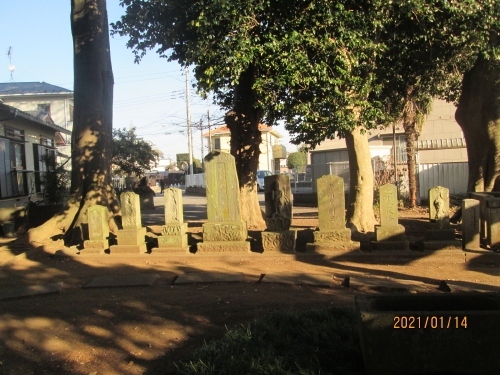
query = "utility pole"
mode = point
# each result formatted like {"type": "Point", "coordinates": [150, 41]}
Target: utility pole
{"type": "Point", "coordinates": [188, 119]}
{"type": "Point", "coordinates": [201, 136]}
{"type": "Point", "coordinates": [209, 132]}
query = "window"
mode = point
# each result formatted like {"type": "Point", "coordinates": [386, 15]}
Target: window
{"type": "Point", "coordinates": [12, 163]}
{"type": "Point", "coordinates": [216, 143]}
{"type": "Point", "coordinates": [45, 108]}
{"type": "Point", "coordinates": [46, 141]}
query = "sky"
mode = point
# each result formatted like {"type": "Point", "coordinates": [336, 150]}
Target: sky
{"type": "Point", "coordinates": [149, 96]}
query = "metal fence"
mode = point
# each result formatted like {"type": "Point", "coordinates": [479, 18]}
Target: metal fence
{"type": "Point", "coordinates": [453, 176]}
{"type": "Point", "coordinates": [197, 180]}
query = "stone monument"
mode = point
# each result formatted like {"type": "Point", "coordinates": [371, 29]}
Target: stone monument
{"type": "Point", "coordinates": [470, 224]}
{"type": "Point", "coordinates": [389, 235]}
{"type": "Point", "coordinates": [440, 235]}
{"type": "Point", "coordinates": [131, 239]}
{"type": "Point", "coordinates": [278, 236]}
{"type": "Point", "coordinates": [332, 234]}
{"type": "Point", "coordinates": [98, 230]}
{"type": "Point", "coordinates": [225, 230]}
{"type": "Point", "coordinates": [174, 238]}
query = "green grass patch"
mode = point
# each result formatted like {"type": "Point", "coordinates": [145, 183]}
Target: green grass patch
{"type": "Point", "coordinates": [319, 341]}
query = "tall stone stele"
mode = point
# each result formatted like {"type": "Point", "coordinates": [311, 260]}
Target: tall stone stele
{"type": "Point", "coordinates": [389, 235]}
{"type": "Point", "coordinates": [440, 235]}
{"type": "Point", "coordinates": [332, 234]}
{"type": "Point", "coordinates": [470, 224]}
{"type": "Point", "coordinates": [225, 230]}
{"type": "Point", "coordinates": [174, 238]}
{"type": "Point", "coordinates": [131, 239]}
{"type": "Point", "coordinates": [98, 230]}
{"type": "Point", "coordinates": [278, 236]}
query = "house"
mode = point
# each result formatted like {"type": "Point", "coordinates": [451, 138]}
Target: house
{"type": "Point", "coordinates": [441, 153]}
{"type": "Point", "coordinates": [24, 140]}
{"type": "Point", "coordinates": [43, 100]}
{"type": "Point", "coordinates": [271, 152]}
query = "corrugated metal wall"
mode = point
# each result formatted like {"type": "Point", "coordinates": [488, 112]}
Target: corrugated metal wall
{"type": "Point", "coordinates": [450, 175]}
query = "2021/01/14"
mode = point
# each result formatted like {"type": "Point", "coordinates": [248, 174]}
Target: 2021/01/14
{"type": "Point", "coordinates": [433, 322]}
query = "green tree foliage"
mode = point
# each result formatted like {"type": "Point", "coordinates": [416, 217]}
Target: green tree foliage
{"type": "Point", "coordinates": [297, 161]}
{"type": "Point", "coordinates": [131, 156]}
{"type": "Point", "coordinates": [184, 158]}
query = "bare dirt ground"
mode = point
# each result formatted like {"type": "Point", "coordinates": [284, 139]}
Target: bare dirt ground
{"type": "Point", "coordinates": [144, 330]}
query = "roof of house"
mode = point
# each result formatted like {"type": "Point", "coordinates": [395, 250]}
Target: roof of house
{"type": "Point", "coordinates": [13, 112]}
{"type": "Point", "coordinates": [31, 88]}
{"type": "Point", "coordinates": [225, 130]}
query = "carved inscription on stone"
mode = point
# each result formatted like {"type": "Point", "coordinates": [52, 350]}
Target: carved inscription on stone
{"type": "Point", "coordinates": [331, 202]}
{"type": "Point", "coordinates": [172, 230]}
{"type": "Point", "coordinates": [98, 222]}
{"type": "Point", "coordinates": [222, 188]}
{"type": "Point", "coordinates": [388, 205]}
{"type": "Point", "coordinates": [131, 210]}
{"type": "Point", "coordinates": [439, 206]}
{"type": "Point", "coordinates": [332, 236]}
{"type": "Point", "coordinates": [223, 232]}
{"type": "Point", "coordinates": [278, 202]}
{"type": "Point", "coordinates": [173, 206]}
{"type": "Point", "coordinates": [279, 241]}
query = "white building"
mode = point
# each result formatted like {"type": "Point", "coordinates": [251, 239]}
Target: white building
{"type": "Point", "coordinates": [271, 152]}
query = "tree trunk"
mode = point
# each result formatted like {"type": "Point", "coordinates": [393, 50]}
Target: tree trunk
{"type": "Point", "coordinates": [243, 122]}
{"type": "Point", "coordinates": [360, 216]}
{"type": "Point", "coordinates": [411, 138]}
{"type": "Point", "coordinates": [91, 149]}
{"type": "Point", "coordinates": [478, 114]}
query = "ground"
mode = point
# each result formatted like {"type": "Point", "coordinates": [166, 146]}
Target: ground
{"type": "Point", "coordinates": [146, 329]}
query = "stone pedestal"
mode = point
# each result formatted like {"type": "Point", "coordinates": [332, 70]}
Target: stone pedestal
{"type": "Point", "coordinates": [173, 239]}
{"type": "Point", "coordinates": [224, 237]}
{"type": "Point", "coordinates": [95, 246]}
{"type": "Point", "coordinates": [332, 240]}
{"type": "Point", "coordinates": [390, 237]}
{"type": "Point", "coordinates": [280, 241]}
{"type": "Point", "coordinates": [470, 224]}
{"type": "Point", "coordinates": [130, 241]}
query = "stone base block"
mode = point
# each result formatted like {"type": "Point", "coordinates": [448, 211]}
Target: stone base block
{"type": "Point", "coordinates": [94, 246]}
{"type": "Point", "coordinates": [128, 249]}
{"type": "Point", "coordinates": [339, 235]}
{"type": "Point", "coordinates": [170, 250]}
{"type": "Point", "coordinates": [440, 234]}
{"type": "Point", "coordinates": [443, 245]}
{"type": "Point", "coordinates": [390, 233]}
{"type": "Point", "coordinates": [282, 241]}
{"type": "Point", "coordinates": [223, 247]}
{"type": "Point", "coordinates": [173, 241]}
{"type": "Point", "coordinates": [133, 237]}
{"type": "Point", "coordinates": [278, 224]}
{"type": "Point", "coordinates": [390, 245]}
{"type": "Point", "coordinates": [225, 231]}
{"type": "Point", "coordinates": [329, 247]}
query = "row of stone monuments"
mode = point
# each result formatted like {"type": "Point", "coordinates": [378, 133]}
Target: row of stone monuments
{"type": "Point", "coordinates": [225, 231]}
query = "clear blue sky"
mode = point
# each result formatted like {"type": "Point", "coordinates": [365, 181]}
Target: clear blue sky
{"type": "Point", "coordinates": [148, 96]}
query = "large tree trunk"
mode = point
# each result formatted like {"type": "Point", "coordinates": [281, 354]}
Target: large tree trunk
{"type": "Point", "coordinates": [243, 122]}
{"type": "Point", "coordinates": [478, 114]}
{"type": "Point", "coordinates": [92, 126]}
{"type": "Point", "coordinates": [360, 216]}
{"type": "Point", "coordinates": [411, 138]}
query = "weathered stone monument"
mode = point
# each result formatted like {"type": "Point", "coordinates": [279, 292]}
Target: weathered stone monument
{"type": "Point", "coordinates": [440, 235]}
{"type": "Point", "coordinates": [278, 216]}
{"type": "Point", "coordinates": [173, 237]}
{"type": "Point", "coordinates": [225, 230]}
{"type": "Point", "coordinates": [332, 234]}
{"type": "Point", "coordinates": [470, 224]}
{"type": "Point", "coordinates": [98, 230]}
{"type": "Point", "coordinates": [131, 239]}
{"type": "Point", "coordinates": [389, 235]}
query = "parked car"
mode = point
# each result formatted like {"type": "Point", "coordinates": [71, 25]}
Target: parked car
{"type": "Point", "coordinates": [260, 179]}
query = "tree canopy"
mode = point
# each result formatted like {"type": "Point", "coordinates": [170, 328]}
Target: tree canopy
{"type": "Point", "coordinates": [297, 161]}
{"type": "Point", "coordinates": [132, 156]}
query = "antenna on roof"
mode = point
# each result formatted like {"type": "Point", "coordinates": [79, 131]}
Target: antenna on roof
{"type": "Point", "coordinates": [11, 66]}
